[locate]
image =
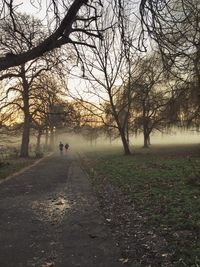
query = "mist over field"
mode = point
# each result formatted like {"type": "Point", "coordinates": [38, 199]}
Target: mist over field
{"type": "Point", "coordinates": [77, 141]}
{"type": "Point", "coordinates": [173, 138]}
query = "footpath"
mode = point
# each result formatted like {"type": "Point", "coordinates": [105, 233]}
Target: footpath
{"type": "Point", "coordinates": [49, 217]}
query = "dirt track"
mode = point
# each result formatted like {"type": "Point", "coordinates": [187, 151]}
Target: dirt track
{"type": "Point", "coordinates": [50, 217]}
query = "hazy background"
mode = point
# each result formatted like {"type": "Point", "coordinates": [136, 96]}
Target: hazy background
{"type": "Point", "coordinates": [76, 141]}
{"type": "Point", "coordinates": [178, 137]}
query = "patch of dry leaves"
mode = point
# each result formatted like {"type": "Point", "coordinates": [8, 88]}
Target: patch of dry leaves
{"type": "Point", "coordinates": [139, 245]}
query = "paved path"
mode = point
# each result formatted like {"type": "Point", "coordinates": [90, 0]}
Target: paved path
{"type": "Point", "coordinates": [50, 217]}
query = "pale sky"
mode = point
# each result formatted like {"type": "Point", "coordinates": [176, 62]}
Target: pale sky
{"type": "Point", "coordinates": [31, 9]}
{"type": "Point", "coordinates": [74, 83]}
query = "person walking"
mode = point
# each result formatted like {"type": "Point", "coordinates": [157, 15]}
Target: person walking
{"type": "Point", "coordinates": [61, 148]}
{"type": "Point", "coordinates": [66, 147]}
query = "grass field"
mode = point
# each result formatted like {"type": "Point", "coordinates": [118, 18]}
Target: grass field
{"type": "Point", "coordinates": [12, 166]}
{"type": "Point", "coordinates": [10, 162]}
{"type": "Point", "coordinates": [164, 183]}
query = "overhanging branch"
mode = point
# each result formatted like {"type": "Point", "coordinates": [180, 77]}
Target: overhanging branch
{"type": "Point", "coordinates": [58, 38]}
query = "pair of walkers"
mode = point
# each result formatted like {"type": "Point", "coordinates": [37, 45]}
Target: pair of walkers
{"type": "Point", "coordinates": [61, 147]}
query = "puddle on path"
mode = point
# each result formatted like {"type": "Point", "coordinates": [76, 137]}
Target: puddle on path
{"type": "Point", "coordinates": [52, 209]}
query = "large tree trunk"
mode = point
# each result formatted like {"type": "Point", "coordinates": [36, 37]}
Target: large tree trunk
{"type": "Point", "coordinates": [146, 135]}
{"type": "Point", "coordinates": [52, 139]}
{"type": "Point", "coordinates": [122, 130]}
{"type": "Point", "coordinates": [145, 126]}
{"type": "Point", "coordinates": [38, 147]}
{"type": "Point", "coordinates": [25, 137]}
{"type": "Point", "coordinates": [46, 138]}
{"type": "Point", "coordinates": [127, 131]}
{"type": "Point", "coordinates": [146, 140]}
{"type": "Point", "coordinates": [149, 140]}
{"type": "Point", "coordinates": [124, 142]}
{"type": "Point", "coordinates": [26, 127]}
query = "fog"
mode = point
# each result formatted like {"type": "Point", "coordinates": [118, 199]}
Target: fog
{"type": "Point", "coordinates": [173, 138]}
{"type": "Point", "coordinates": [77, 141]}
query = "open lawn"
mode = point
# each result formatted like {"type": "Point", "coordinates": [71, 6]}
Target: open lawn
{"type": "Point", "coordinates": [164, 185]}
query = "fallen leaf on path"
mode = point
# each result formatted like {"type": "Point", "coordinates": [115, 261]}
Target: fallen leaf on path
{"type": "Point", "coordinates": [124, 260]}
{"type": "Point", "coordinates": [48, 264]}
{"type": "Point", "coordinates": [92, 236]}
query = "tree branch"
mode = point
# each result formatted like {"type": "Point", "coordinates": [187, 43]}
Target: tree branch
{"type": "Point", "coordinates": [57, 39]}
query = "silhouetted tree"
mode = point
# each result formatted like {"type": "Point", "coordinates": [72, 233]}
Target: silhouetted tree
{"type": "Point", "coordinates": [70, 23]}
{"type": "Point", "coordinates": [26, 74]}
{"type": "Point", "coordinates": [174, 26]}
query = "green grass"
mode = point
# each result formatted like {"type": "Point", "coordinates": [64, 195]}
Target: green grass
{"type": "Point", "coordinates": [14, 165]}
{"type": "Point", "coordinates": [165, 186]}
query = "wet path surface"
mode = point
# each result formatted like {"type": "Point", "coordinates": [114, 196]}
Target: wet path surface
{"type": "Point", "coordinates": [50, 217]}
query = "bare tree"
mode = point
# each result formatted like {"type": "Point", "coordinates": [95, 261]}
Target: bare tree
{"type": "Point", "coordinates": [47, 106]}
{"type": "Point", "coordinates": [51, 109]}
{"type": "Point", "coordinates": [72, 23]}
{"type": "Point", "coordinates": [174, 26]}
{"type": "Point", "coordinates": [104, 68]}
{"type": "Point", "coordinates": [151, 95]}
{"type": "Point", "coordinates": [26, 74]}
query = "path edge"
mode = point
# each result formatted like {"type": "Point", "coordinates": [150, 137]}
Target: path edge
{"type": "Point", "coordinates": [9, 177]}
